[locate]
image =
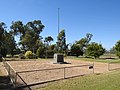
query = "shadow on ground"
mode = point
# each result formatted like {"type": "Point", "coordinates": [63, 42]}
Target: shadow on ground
{"type": "Point", "coordinates": [5, 83]}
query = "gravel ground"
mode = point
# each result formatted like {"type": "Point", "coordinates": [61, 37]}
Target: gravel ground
{"type": "Point", "coordinates": [113, 66]}
{"type": "Point", "coordinates": [46, 75]}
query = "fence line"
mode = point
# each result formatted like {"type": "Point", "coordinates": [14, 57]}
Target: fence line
{"type": "Point", "coordinates": [64, 74]}
{"type": "Point", "coordinates": [14, 75]}
{"type": "Point", "coordinates": [54, 68]}
{"type": "Point", "coordinates": [113, 66]}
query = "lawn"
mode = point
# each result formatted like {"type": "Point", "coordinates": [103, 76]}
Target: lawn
{"type": "Point", "coordinates": [106, 58]}
{"type": "Point", "coordinates": [106, 81]}
{"type": "Point", "coordinates": [99, 60]}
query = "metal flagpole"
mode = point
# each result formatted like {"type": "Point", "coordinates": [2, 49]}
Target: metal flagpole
{"type": "Point", "coordinates": [58, 21]}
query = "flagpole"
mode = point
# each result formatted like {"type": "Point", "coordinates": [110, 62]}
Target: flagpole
{"type": "Point", "coordinates": [58, 21]}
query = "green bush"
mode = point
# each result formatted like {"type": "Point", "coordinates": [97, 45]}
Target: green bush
{"type": "Point", "coordinates": [40, 52]}
{"type": "Point", "coordinates": [15, 56]}
{"type": "Point", "coordinates": [21, 56]}
{"type": "Point", "coordinates": [29, 54]}
{"type": "Point", "coordinates": [0, 58]}
{"type": "Point", "coordinates": [118, 54]}
{"type": "Point", "coordinates": [35, 56]}
{"type": "Point", "coordinates": [8, 56]}
{"type": "Point", "coordinates": [49, 53]}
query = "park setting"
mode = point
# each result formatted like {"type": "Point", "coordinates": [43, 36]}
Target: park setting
{"type": "Point", "coordinates": [60, 45]}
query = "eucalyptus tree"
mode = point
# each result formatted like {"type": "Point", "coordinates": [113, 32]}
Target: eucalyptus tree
{"type": "Point", "coordinates": [17, 28]}
{"type": "Point", "coordinates": [80, 46]}
{"type": "Point", "coordinates": [7, 42]}
{"type": "Point", "coordinates": [117, 48]}
{"type": "Point", "coordinates": [10, 43]}
{"type": "Point", "coordinates": [48, 39]}
{"type": "Point", "coordinates": [3, 49]}
{"type": "Point", "coordinates": [29, 33]}
{"type": "Point", "coordinates": [61, 44]}
{"type": "Point", "coordinates": [84, 42]}
{"type": "Point", "coordinates": [2, 30]}
{"type": "Point", "coordinates": [33, 34]}
{"type": "Point", "coordinates": [76, 50]}
{"type": "Point", "coordinates": [95, 50]}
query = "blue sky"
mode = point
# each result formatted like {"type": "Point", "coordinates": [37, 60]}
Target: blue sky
{"type": "Point", "coordinates": [78, 17]}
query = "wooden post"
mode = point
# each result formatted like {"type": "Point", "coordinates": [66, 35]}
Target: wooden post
{"type": "Point", "coordinates": [93, 67]}
{"type": "Point", "coordinates": [15, 79]}
{"type": "Point", "coordinates": [64, 73]}
{"type": "Point", "coordinates": [9, 70]}
{"type": "Point", "coordinates": [108, 65]}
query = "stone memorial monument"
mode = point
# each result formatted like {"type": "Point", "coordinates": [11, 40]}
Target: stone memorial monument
{"type": "Point", "coordinates": [58, 59]}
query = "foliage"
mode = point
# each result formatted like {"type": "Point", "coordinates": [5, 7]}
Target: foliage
{"type": "Point", "coordinates": [40, 52]}
{"type": "Point", "coordinates": [29, 33]}
{"type": "Point", "coordinates": [29, 54]}
{"type": "Point", "coordinates": [52, 47]}
{"type": "Point", "coordinates": [84, 42]}
{"type": "Point", "coordinates": [7, 42]}
{"type": "Point", "coordinates": [76, 51]}
{"type": "Point", "coordinates": [48, 39]}
{"type": "Point", "coordinates": [48, 47]}
{"type": "Point", "coordinates": [21, 56]}
{"type": "Point", "coordinates": [79, 47]}
{"type": "Point", "coordinates": [10, 43]}
{"type": "Point", "coordinates": [49, 53]}
{"type": "Point", "coordinates": [2, 46]}
{"type": "Point", "coordinates": [112, 50]}
{"type": "Point", "coordinates": [3, 51]}
{"type": "Point", "coordinates": [95, 50]}
{"type": "Point", "coordinates": [117, 48]}
{"type": "Point", "coordinates": [17, 28]}
{"type": "Point", "coordinates": [61, 44]}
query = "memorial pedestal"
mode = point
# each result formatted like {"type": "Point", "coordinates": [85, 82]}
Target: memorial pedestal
{"type": "Point", "coordinates": [58, 58]}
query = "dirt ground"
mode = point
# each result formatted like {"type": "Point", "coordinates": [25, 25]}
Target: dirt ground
{"type": "Point", "coordinates": [5, 83]}
{"type": "Point", "coordinates": [48, 75]}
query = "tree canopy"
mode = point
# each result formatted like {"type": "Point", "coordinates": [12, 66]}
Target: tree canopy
{"type": "Point", "coordinates": [7, 42]}
{"type": "Point", "coordinates": [117, 48]}
{"type": "Point", "coordinates": [79, 47]}
{"type": "Point", "coordinates": [30, 39]}
{"type": "Point", "coordinates": [29, 33]}
{"type": "Point", "coordinates": [61, 44]}
{"type": "Point", "coordinates": [95, 50]}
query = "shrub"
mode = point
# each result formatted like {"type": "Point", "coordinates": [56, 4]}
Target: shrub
{"type": "Point", "coordinates": [8, 56]}
{"type": "Point", "coordinates": [29, 54]}
{"type": "Point", "coordinates": [3, 51]}
{"type": "Point", "coordinates": [95, 50]}
{"type": "Point", "coordinates": [21, 56]}
{"type": "Point", "coordinates": [118, 54]}
{"type": "Point", "coordinates": [15, 56]}
{"type": "Point", "coordinates": [117, 48]}
{"type": "Point", "coordinates": [40, 52]}
{"type": "Point", "coordinates": [76, 50]}
{"type": "Point", "coordinates": [49, 53]}
{"type": "Point", "coordinates": [35, 56]}
{"type": "Point", "coordinates": [0, 58]}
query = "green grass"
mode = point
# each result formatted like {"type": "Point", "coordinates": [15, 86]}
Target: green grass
{"type": "Point", "coordinates": [111, 58]}
{"type": "Point", "coordinates": [106, 81]}
{"type": "Point", "coordinates": [103, 60]}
